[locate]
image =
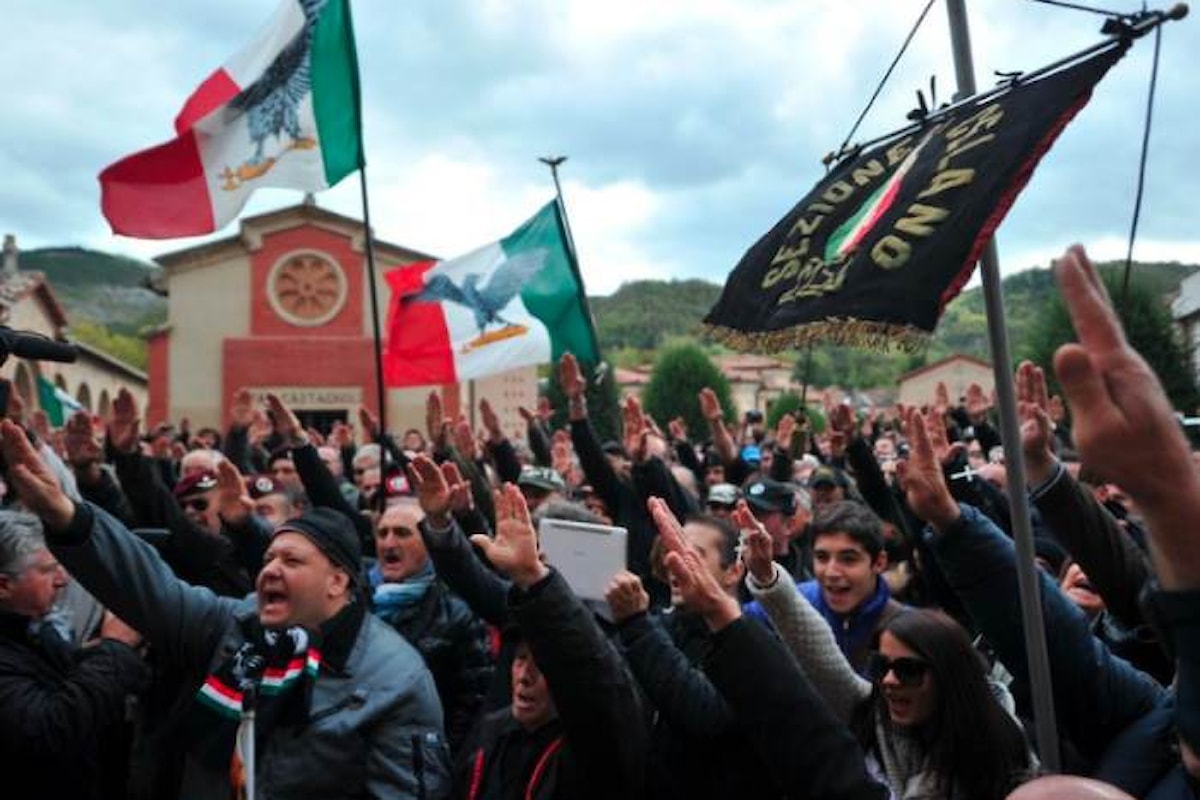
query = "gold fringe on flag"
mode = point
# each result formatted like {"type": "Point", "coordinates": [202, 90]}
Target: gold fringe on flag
{"type": "Point", "coordinates": [841, 331]}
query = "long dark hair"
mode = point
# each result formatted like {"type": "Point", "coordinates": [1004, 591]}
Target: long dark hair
{"type": "Point", "coordinates": [974, 746]}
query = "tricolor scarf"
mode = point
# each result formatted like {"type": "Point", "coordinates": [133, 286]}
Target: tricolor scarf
{"type": "Point", "coordinates": [276, 669]}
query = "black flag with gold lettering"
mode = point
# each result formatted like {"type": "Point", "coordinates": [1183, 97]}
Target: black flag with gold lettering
{"type": "Point", "coordinates": [871, 256]}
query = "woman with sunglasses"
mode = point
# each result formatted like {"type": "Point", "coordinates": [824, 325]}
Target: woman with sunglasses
{"type": "Point", "coordinates": [928, 720]}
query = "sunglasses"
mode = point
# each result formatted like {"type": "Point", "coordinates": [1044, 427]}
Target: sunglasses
{"type": "Point", "coordinates": [199, 504]}
{"type": "Point", "coordinates": [908, 670]}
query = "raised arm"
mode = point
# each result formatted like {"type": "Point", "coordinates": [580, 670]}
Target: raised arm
{"type": "Point", "coordinates": [1096, 695]}
{"type": "Point", "coordinates": [595, 695]}
{"type": "Point", "coordinates": [319, 483]}
{"type": "Point", "coordinates": [125, 574]}
{"type": "Point", "coordinates": [453, 559]}
{"type": "Point", "coordinates": [1125, 428]}
{"type": "Point", "coordinates": [682, 693]}
{"type": "Point", "coordinates": [41, 719]}
{"type": "Point", "coordinates": [803, 630]}
{"type": "Point", "coordinates": [1114, 564]}
{"type": "Point", "coordinates": [809, 751]}
{"type": "Point", "coordinates": [504, 455]}
{"type": "Point", "coordinates": [592, 460]}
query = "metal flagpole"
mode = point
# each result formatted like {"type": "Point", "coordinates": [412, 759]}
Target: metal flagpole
{"type": "Point", "coordinates": [380, 392]}
{"type": "Point", "coordinates": [553, 162]}
{"type": "Point", "coordinates": [1010, 431]}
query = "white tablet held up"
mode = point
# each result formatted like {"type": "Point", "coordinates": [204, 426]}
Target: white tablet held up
{"type": "Point", "coordinates": [587, 555]}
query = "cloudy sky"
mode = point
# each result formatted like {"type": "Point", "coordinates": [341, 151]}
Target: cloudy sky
{"type": "Point", "coordinates": [690, 125]}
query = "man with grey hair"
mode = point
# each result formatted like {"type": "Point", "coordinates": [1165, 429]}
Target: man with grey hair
{"type": "Point", "coordinates": [57, 700]}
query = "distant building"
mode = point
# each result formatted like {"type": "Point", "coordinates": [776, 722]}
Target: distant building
{"type": "Point", "coordinates": [754, 381]}
{"type": "Point", "coordinates": [1186, 311]}
{"type": "Point", "coordinates": [27, 303]}
{"type": "Point", "coordinates": [958, 372]}
{"type": "Point", "coordinates": [631, 381]}
{"type": "Point", "coordinates": [283, 307]}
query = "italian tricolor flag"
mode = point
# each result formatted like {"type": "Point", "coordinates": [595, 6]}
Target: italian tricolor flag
{"type": "Point", "coordinates": [512, 303]}
{"type": "Point", "coordinates": [282, 113]}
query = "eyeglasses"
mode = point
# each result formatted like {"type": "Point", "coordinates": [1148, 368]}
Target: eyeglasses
{"type": "Point", "coordinates": [198, 504]}
{"type": "Point", "coordinates": [908, 670]}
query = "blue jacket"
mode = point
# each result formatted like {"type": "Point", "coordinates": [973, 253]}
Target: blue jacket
{"type": "Point", "coordinates": [854, 632]}
{"type": "Point", "coordinates": [1110, 713]}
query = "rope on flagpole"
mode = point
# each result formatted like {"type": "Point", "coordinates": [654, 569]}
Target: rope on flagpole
{"type": "Point", "coordinates": [1118, 34]}
{"type": "Point", "coordinates": [1141, 180]}
{"type": "Point", "coordinates": [883, 81]}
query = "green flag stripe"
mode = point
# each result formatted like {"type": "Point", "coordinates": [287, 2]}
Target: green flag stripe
{"type": "Point", "coordinates": [336, 101]}
{"type": "Point", "coordinates": [555, 295]}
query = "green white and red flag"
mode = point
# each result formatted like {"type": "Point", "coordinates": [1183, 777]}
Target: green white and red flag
{"type": "Point", "coordinates": [511, 303]}
{"type": "Point", "coordinates": [284, 113]}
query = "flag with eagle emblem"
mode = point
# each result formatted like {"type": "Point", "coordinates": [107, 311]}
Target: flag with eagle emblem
{"type": "Point", "coordinates": [876, 250]}
{"type": "Point", "coordinates": [511, 303]}
{"type": "Point", "coordinates": [284, 113]}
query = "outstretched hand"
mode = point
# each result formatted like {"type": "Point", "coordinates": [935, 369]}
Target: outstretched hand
{"type": "Point", "coordinates": [758, 550]}
{"type": "Point", "coordinates": [1123, 424]}
{"type": "Point", "coordinates": [123, 422]}
{"type": "Point", "coordinates": [570, 377]}
{"type": "Point", "coordinates": [922, 478]}
{"type": "Point", "coordinates": [626, 596]}
{"type": "Point", "coordinates": [79, 439]}
{"type": "Point", "coordinates": [286, 423]}
{"type": "Point", "coordinates": [241, 410]}
{"type": "Point", "coordinates": [710, 406]}
{"type": "Point", "coordinates": [514, 551]}
{"type": "Point", "coordinates": [233, 504]}
{"type": "Point", "coordinates": [635, 429]}
{"type": "Point", "coordinates": [491, 421]}
{"type": "Point", "coordinates": [37, 487]}
{"type": "Point", "coordinates": [784, 432]}
{"type": "Point", "coordinates": [697, 586]}
{"type": "Point", "coordinates": [1037, 431]}
{"type": "Point", "coordinates": [436, 488]}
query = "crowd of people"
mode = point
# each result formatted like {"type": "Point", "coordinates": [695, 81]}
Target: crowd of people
{"type": "Point", "coordinates": [269, 611]}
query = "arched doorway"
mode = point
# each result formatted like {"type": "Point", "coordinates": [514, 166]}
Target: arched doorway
{"type": "Point", "coordinates": [104, 403]}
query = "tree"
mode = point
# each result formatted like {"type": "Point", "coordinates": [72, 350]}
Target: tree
{"type": "Point", "coordinates": [679, 375]}
{"type": "Point", "coordinates": [130, 349]}
{"type": "Point", "coordinates": [1148, 326]}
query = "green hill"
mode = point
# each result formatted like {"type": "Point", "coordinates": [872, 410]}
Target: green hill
{"type": "Point", "coordinates": [111, 291]}
{"type": "Point", "coordinates": [644, 314]}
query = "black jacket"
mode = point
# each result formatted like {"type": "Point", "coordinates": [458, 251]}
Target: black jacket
{"type": "Point", "coordinates": [192, 553]}
{"type": "Point", "coordinates": [626, 500]}
{"type": "Point", "coordinates": [807, 750]}
{"type": "Point", "coordinates": [57, 702]}
{"type": "Point", "coordinates": [454, 643]}
{"type": "Point", "coordinates": [604, 736]}
{"type": "Point", "coordinates": [698, 748]}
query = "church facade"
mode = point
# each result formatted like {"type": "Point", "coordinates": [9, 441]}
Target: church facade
{"type": "Point", "coordinates": [284, 307]}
